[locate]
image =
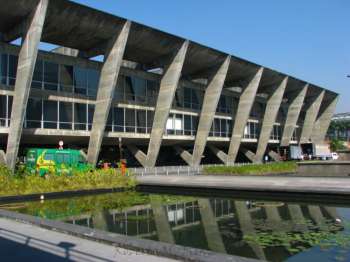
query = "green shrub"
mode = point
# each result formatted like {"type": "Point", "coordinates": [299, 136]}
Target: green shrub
{"type": "Point", "coordinates": [21, 183]}
{"type": "Point", "coordinates": [253, 169]}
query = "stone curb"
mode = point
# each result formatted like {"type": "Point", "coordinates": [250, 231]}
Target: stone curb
{"type": "Point", "coordinates": [141, 245]}
{"type": "Point", "coordinates": [52, 195]}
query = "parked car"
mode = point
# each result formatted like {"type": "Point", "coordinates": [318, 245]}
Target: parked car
{"type": "Point", "coordinates": [335, 156]}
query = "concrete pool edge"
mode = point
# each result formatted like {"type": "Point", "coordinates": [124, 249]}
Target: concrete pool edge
{"type": "Point", "coordinates": [126, 242]}
{"type": "Point", "coordinates": [61, 194]}
{"type": "Point", "coordinates": [278, 184]}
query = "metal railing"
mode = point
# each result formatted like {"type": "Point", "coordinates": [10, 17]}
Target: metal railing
{"type": "Point", "coordinates": [176, 170]}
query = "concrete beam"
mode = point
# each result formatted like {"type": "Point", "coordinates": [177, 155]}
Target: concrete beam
{"type": "Point", "coordinates": [274, 155]}
{"type": "Point", "coordinates": [210, 103]}
{"type": "Point", "coordinates": [168, 85]}
{"type": "Point", "coordinates": [249, 154]}
{"type": "Point", "coordinates": [322, 123]}
{"type": "Point", "coordinates": [106, 88]}
{"type": "Point", "coordinates": [219, 153]}
{"type": "Point", "coordinates": [310, 118]}
{"type": "Point", "coordinates": [245, 105]}
{"type": "Point", "coordinates": [138, 154]}
{"type": "Point", "coordinates": [184, 154]}
{"type": "Point", "coordinates": [272, 107]}
{"type": "Point", "coordinates": [293, 116]}
{"type": "Point", "coordinates": [26, 63]}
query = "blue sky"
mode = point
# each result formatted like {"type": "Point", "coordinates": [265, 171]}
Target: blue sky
{"type": "Point", "coordinates": [308, 39]}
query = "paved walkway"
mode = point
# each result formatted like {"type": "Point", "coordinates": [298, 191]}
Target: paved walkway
{"type": "Point", "coordinates": [287, 184]}
{"type": "Point", "coordinates": [23, 242]}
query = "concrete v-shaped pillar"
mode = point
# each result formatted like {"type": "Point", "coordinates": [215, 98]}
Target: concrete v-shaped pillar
{"type": "Point", "coordinates": [294, 110]}
{"type": "Point", "coordinates": [108, 80]}
{"type": "Point", "coordinates": [272, 107]}
{"type": "Point", "coordinates": [245, 105]}
{"type": "Point", "coordinates": [209, 105]}
{"type": "Point", "coordinates": [310, 118]}
{"type": "Point", "coordinates": [25, 69]}
{"type": "Point", "coordinates": [168, 86]}
{"type": "Point", "coordinates": [323, 121]}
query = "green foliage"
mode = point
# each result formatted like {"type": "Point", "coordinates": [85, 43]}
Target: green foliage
{"type": "Point", "coordinates": [295, 242]}
{"type": "Point", "coordinates": [336, 145]}
{"type": "Point", "coordinates": [254, 169]}
{"type": "Point", "coordinates": [22, 183]}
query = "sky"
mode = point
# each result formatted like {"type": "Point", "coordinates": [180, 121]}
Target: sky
{"type": "Point", "coordinates": [307, 39]}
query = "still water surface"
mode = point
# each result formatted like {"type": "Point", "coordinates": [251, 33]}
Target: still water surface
{"type": "Point", "coordinates": [273, 231]}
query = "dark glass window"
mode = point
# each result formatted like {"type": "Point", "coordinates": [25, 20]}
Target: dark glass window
{"type": "Point", "coordinates": [93, 81]}
{"type": "Point", "coordinates": [50, 114]}
{"type": "Point", "coordinates": [80, 115]}
{"type": "Point", "coordinates": [152, 92]}
{"type": "Point", "coordinates": [34, 113]}
{"type": "Point", "coordinates": [141, 121]}
{"type": "Point", "coordinates": [50, 76]}
{"type": "Point", "coordinates": [3, 68]}
{"type": "Point", "coordinates": [118, 119]}
{"type": "Point", "coordinates": [66, 115]}
{"type": "Point", "coordinates": [38, 75]}
{"type": "Point", "coordinates": [10, 99]}
{"type": "Point", "coordinates": [130, 120]}
{"type": "Point", "coordinates": [13, 62]}
{"type": "Point", "coordinates": [66, 78]}
{"type": "Point", "coordinates": [80, 79]}
{"type": "Point", "coordinates": [187, 125]}
{"type": "Point", "coordinates": [3, 106]}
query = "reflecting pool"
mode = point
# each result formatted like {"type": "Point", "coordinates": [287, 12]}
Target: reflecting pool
{"type": "Point", "coordinates": [268, 230]}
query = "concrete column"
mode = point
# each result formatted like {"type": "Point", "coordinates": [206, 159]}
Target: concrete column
{"type": "Point", "coordinates": [108, 80]}
{"type": "Point", "coordinates": [161, 220]}
{"type": "Point", "coordinates": [247, 227]}
{"type": "Point", "coordinates": [168, 85]}
{"type": "Point", "coordinates": [272, 106]}
{"type": "Point", "coordinates": [26, 64]}
{"type": "Point", "coordinates": [293, 116]}
{"type": "Point", "coordinates": [245, 105]}
{"type": "Point", "coordinates": [322, 123]}
{"type": "Point", "coordinates": [310, 118]}
{"type": "Point", "coordinates": [210, 103]}
{"type": "Point", "coordinates": [210, 226]}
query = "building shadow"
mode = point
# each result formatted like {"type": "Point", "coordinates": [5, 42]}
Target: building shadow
{"type": "Point", "coordinates": [20, 247]}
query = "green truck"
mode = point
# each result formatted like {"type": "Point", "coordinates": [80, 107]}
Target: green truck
{"type": "Point", "coordinates": [44, 161]}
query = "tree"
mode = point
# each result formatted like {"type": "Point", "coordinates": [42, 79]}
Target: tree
{"type": "Point", "coordinates": [336, 145]}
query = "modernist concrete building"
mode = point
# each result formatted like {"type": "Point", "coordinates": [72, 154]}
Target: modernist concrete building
{"type": "Point", "coordinates": [167, 98]}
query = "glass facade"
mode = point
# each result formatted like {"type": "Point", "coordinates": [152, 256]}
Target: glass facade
{"type": "Point", "coordinates": [5, 110]}
{"type": "Point", "coordinates": [252, 130]}
{"type": "Point", "coordinates": [276, 132]}
{"type": "Point", "coordinates": [52, 76]}
{"type": "Point", "coordinates": [137, 90]}
{"type": "Point", "coordinates": [221, 128]}
{"type": "Point", "coordinates": [58, 115]}
{"type": "Point", "coordinates": [182, 124]}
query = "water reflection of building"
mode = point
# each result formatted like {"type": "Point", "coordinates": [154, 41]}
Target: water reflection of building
{"type": "Point", "coordinates": [215, 224]}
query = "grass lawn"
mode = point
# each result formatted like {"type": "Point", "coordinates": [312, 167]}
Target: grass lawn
{"type": "Point", "coordinates": [21, 184]}
{"type": "Point", "coordinates": [253, 169]}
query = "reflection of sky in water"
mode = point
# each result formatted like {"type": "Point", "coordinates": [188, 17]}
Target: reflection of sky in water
{"type": "Point", "coordinates": [238, 227]}
{"type": "Point", "coordinates": [332, 254]}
